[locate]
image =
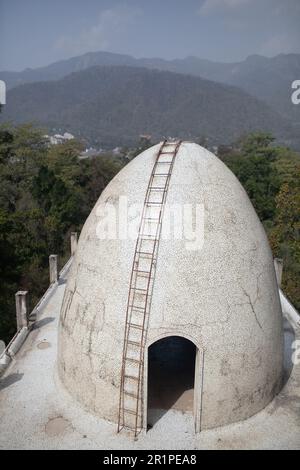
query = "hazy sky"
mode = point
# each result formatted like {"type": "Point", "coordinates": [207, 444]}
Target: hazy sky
{"type": "Point", "coordinates": [37, 32]}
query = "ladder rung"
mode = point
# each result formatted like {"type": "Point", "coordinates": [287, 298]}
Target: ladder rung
{"type": "Point", "coordinates": [141, 271]}
{"type": "Point", "coordinates": [163, 163]}
{"type": "Point", "coordinates": [145, 253]}
{"type": "Point", "coordinates": [136, 308]}
{"type": "Point", "coordinates": [151, 218]}
{"type": "Point", "coordinates": [137, 311]}
{"type": "Point", "coordinates": [132, 289]}
{"type": "Point", "coordinates": [130, 359]}
{"type": "Point", "coordinates": [162, 174]}
{"type": "Point", "coordinates": [131, 377]}
{"type": "Point", "coordinates": [137, 288]}
{"type": "Point", "coordinates": [131, 428]}
{"type": "Point", "coordinates": [134, 325]}
{"type": "Point", "coordinates": [143, 274]}
{"type": "Point", "coordinates": [157, 188]}
{"type": "Point", "coordinates": [134, 343]}
{"type": "Point", "coordinates": [132, 412]}
{"type": "Point", "coordinates": [144, 234]}
{"type": "Point", "coordinates": [133, 395]}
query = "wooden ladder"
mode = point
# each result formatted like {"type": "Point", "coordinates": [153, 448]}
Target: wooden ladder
{"type": "Point", "coordinates": [140, 290]}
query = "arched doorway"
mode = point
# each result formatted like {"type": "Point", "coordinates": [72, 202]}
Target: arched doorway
{"type": "Point", "coordinates": [172, 378]}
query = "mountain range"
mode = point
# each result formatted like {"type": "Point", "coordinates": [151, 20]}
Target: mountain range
{"type": "Point", "coordinates": [113, 105]}
{"type": "Point", "coordinates": [268, 79]}
{"type": "Point", "coordinates": [113, 98]}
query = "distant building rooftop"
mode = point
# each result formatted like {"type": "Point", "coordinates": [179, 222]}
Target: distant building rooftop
{"type": "Point", "coordinates": [88, 153]}
{"type": "Point", "coordinates": [59, 139]}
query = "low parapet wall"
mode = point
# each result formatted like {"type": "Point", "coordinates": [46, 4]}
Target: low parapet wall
{"type": "Point", "coordinates": [289, 310]}
{"type": "Point", "coordinates": [25, 322]}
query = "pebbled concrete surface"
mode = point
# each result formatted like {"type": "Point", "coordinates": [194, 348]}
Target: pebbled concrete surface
{"type": "Point", "coordinates": [36, 412]}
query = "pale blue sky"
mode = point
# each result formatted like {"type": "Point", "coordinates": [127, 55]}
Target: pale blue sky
{"type": "Point", "coordinates": [37, 32]}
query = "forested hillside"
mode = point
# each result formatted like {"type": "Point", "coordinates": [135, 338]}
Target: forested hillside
{"type": "Point", "coordinates": [113, 105]}
{"type": "Point", "coordinates": [266, 78]}
{"type": "Point", "coordinates": [47, 192]}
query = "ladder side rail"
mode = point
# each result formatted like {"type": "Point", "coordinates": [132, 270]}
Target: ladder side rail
{"type": "Point", "coordinates": [149, 292]}
{"type": "Point", "coordinates": [141, 367]}
{"type": "Point", "coordinates": [156, 247]}
{"type": "Point", "coordinates": [127, 310]}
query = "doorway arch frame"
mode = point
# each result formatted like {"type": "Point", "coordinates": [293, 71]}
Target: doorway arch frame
{"type": "Point", "coordinates": [198, 378]}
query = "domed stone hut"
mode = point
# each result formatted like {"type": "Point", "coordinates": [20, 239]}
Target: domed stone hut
{"type": "Point", "coordinates": [146, 320]}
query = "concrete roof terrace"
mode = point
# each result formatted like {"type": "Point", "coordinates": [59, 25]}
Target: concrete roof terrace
{"type": "Point", "coordinates": [38, 413]}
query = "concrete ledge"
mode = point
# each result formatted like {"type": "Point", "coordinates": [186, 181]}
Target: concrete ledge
{"type": "Point", "coordinates": [12, 348]}
{"type": "Point", "coordinates": [43, 300]}
{"type": "Point", "coordinates": [4, 362]}
{"type": "Point", "coordinates": [17, 342]}
{"type": "Point", "coordinates": [289, 310]}
{"type": "Point", "coordinates": [18, 339]}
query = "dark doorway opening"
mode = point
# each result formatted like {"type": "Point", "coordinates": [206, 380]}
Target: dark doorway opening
{"type": "Point", "coordinates": [171, 374]}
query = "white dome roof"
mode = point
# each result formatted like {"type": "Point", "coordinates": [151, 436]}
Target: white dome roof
{"type": "Point", "coordinates": [223, 297]}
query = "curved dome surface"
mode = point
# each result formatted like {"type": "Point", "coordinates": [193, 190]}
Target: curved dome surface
{"type": "Point", "coordinates": [223, 297]}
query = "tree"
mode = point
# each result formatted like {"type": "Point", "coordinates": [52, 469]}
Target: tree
{"type": "Point", "coordinates": [253, 164]}
{"type": "Point", "coordinates": [271, 176]}
{"type": "Point", "coordinates": [45, 193]}
{"type": "Point", "coordinates": [285, 234]}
